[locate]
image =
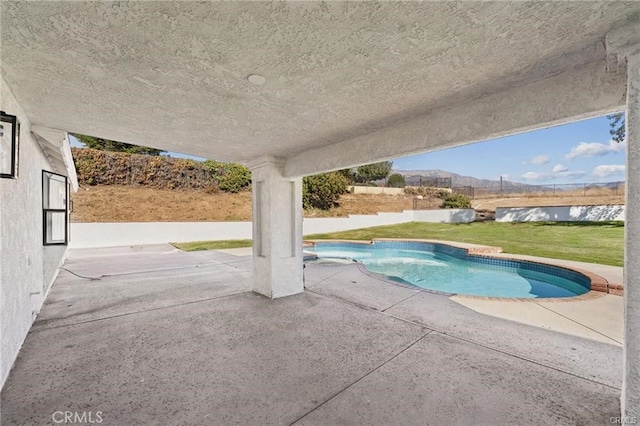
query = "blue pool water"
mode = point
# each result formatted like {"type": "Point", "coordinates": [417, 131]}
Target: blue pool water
{"type": "Point", "coordinates": [448, 269]}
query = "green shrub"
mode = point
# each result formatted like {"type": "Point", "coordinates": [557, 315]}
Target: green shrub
{"type": "Point", "coordinates": [375, 171]}
{"type": "Point", "coordinates": [323, 191]}
{"type": "Point", "coordinates": [231, 177]}
{"type": "Point", "coordinates": [100, 167]}
{"type": "Point", "coordinates": [396, 180]}
{"type": "Point", "coordinates": [456, 201]}
{"type": "Point", "coordinates": [349, 174]}
{"type": "Point", "coordinates": [426, 191]}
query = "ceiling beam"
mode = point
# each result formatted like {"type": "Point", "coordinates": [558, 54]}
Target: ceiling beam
{"type": "Point", "coordinates": [578, 94]}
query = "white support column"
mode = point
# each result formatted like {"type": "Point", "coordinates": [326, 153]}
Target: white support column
{"type": "Point", "coordinates": [623, 47]}
{"type": "Point", "coordinates": [277, 230]}
{"type": "Point", "coordinates": [631, 379]}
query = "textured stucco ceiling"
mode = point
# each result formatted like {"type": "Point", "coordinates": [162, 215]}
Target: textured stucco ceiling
{"type": "Point", "coordinates": [173, 75]}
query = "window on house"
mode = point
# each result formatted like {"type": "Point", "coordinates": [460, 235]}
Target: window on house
{"type": "Point", "coordinates": [9, 145]}
{"type": "Point", "coordinates": [55, 212]}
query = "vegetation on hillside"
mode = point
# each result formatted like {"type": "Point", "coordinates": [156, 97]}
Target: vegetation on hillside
{"type": "Point", "coordinates": [107, 166]}
{"type": "Point", "coordinates": [396, 180]}
{"type": "Point", "coordinates": [371, 172]}
{"type": "Point", "coordinates": [367, 173]}
{"type": "Point", "coordinates": [230, 177]}
{"type": "Point", "coordinates": [100, 167]}
{"type": "Point", "coordinates": [104, 167]}
{"type": "Point", "coordinates": [456, 201]}
{"type": "Point", "coordinates": [322, 191]}
{"type": "Point", "coordinates": [115, 146]}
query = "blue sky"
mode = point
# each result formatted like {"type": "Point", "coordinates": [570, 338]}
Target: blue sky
{"type": "Point", "coordinates": [572, 153]}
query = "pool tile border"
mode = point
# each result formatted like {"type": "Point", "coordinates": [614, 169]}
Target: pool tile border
{"type": "Point", "coordinates": [597, 285]}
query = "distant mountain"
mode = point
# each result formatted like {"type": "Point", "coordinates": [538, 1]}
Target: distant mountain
{"type": "Point", "coordinates": [413, 178]}
{"type": "Point", "coordinates": [440, 178]}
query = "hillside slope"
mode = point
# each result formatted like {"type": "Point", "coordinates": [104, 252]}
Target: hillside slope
{"type": "Point", "coordinates": [118, 187]}
{"type": "Point", "coordinates": [141, 204]}
{"type": "Point", "coordinates": [116, 203]}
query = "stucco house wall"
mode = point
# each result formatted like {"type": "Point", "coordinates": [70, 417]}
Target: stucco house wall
{"type": "Point", "coordinates": [27, 267]}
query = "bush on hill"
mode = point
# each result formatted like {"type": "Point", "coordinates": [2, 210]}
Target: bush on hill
{"type": "Point", "coordinates": [231, 177]}
{"type": "Point", "coordinates": [323, 191]}
{"type": "Point", "coordinates": [396, 180]}
{"type": "Point", "coordinates": [456, 201]}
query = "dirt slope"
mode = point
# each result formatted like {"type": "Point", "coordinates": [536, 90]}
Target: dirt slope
{"type": "Point", "coordinates": [143, 204]}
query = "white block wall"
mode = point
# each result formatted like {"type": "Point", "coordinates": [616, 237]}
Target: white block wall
{"type": "Point", "coordinates": [85, 235]}
{"type": "Point", "coordinates": [445, 215]}
{"type": "Point", "coordinates": [375, 190]}
{"type": "Point", "coordinates": [560, 214]}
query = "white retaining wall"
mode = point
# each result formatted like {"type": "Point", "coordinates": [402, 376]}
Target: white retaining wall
{"type": "Point", "coordinates": [85, 235]}
{"type": "Point", "coordinates": [560, 214]}
{"type": "Point", "coordinates": [375, 190]}
{"type": "Point", "coordinates": [445, 215]}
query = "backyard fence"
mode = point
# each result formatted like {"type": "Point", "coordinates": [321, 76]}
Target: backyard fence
{"type": "Point", "coordinates": [510, 189]}
{"type": "Point", "coordinates": [426, 200]}
{"type": "Point", "coordinates": [424, 188]}
{"type": "Point", "coordinates": [467, 191]}
{"type": "Point", "coordinates": [426, 203]}
{"type": "Point", "coordinates": [432, 182]}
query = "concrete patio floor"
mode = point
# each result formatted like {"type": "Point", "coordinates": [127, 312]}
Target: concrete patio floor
{"type": "Point", "coordinates": [168, 337]}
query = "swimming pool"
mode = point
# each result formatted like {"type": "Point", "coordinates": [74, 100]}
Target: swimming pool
{"type": "Point", "coordinates": [448, 269]}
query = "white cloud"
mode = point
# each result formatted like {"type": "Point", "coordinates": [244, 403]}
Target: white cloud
{"type": "Point", "coordinates": [558, 172]}
{"type": "Point", "coordinates": [593, 149]}
{"type": "Point", "coordinates": [539, 159]}
{"type": "Point", "coordinates": [570, 174]}
{"type": "Point", "coordinates": [536, 176]}
{"type": "Point", "coordinates": [559, 168]}
{"type": "Point", "coordinates": [605, 170]}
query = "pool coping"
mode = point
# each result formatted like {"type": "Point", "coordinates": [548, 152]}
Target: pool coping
{"type": "Point", "coordinates": [598, 285]}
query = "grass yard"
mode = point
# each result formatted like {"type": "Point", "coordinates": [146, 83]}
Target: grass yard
{"type": "Point", "coordinates": [212, 245]}
{"type": "Point", "coordinates": [593, 242]}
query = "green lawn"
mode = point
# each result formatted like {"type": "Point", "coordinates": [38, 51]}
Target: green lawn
{"type": "Point", "coordinates": [594, 242]}
{"type": "Point", "coordinates": [212, 245]}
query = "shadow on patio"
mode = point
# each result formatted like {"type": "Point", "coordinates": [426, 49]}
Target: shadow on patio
{"type": "Point", "coordinates": [168, 337]}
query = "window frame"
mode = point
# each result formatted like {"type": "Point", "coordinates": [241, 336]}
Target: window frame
{"type": "Point", "coordinates": [46, 210]}
{"type": "Point", "coordinates": [15, 145]}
